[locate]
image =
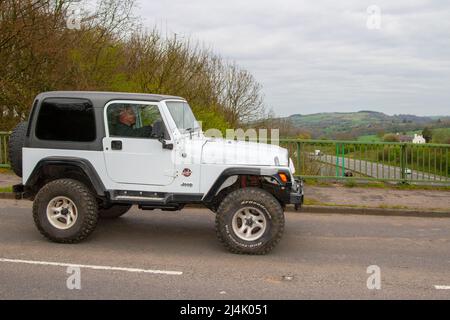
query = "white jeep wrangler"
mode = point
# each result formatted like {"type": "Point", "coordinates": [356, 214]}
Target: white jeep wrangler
{"type": "Point", "coordinates": [89, 155]}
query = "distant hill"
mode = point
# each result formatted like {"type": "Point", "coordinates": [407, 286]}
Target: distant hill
{"type": "Point", "coordinates": [350, 125]}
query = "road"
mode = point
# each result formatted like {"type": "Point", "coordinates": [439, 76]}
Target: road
{"type": "Point", "coordinates": [321, 256]}
{"type": "Point", "coordinates": [378, 170]}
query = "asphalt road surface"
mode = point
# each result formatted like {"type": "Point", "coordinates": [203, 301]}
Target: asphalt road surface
{"type": "Point", "coordinates": [156, 255]}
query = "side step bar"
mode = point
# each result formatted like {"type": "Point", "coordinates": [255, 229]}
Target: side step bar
{"type": "Point", "coordinates": [138, 196]}
{"type": "Point", "coordinates": [155, 200]}
{"type": "Point", "coordinates": [135, 198]}
{"type": "Point", "coordinates": [174, 207]}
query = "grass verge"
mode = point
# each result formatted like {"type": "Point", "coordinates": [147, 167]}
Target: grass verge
{"type": "Point", "coordinates": [378, 185]}
{"type": "Point", "coordinates": [6, 189]}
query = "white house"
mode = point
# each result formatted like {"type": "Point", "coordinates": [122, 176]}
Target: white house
{"type": "Point", "coordinates": [418, 138]}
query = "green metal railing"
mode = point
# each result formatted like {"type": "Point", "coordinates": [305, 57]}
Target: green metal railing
{"type": "Point", "coordinates": [384, 161]}
{"type": "Point", "coordinates": [4, 138]}
{"type": "Point", "coordinates": [398, 162]}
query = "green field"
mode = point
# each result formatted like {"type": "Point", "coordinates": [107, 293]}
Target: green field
{"type": "Point", "coordinates": [369, 138]}
{"type": "Point", "coordinates": [363, 124]}
{"type": "Point", "coordinates": [440, 136]}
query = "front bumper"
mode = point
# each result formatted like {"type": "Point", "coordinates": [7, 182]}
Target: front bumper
{"type": "Point", "coordinates": [291, 193]}
{"type": "Point", "coordinates": [296, 195]}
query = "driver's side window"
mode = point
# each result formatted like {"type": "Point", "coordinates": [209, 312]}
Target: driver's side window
{"type": "Point", "coordinates": [130, 120]}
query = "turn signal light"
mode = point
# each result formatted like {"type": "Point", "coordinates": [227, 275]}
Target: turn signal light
{"type": "Point", "coordinates": [283, 177]}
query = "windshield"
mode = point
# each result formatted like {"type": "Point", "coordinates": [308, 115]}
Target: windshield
{"type": "Point", "coordinates": [182, 115]}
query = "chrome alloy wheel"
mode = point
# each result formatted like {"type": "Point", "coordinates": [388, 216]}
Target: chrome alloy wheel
{"type": "Point", "coordinates": [62, 213]}
{"type": "Point", "coordinates": [249, 223]}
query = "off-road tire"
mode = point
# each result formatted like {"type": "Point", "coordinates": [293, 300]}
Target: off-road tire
{"type": "Point", "coordinates": [15, 145]}
{"type": "Point", "coordinates": [256, 198]}
{"type": "Point", "coordinates": [86, 205]}
{"type": "Point", "coordinates": [114, 212]}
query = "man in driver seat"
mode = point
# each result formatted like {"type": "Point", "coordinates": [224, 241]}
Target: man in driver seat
{"type": "Point", "coordinates": [127, 119]}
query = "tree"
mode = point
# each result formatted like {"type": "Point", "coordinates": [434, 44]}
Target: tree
{"type": "Point", "coordinates": [380, 134]}
{"type": "Point", "coordinates": [241, 98]}
{"type": "Point", "coordinates": [38, 52]}
{"type": "Point", "coordinates": [305, 135]}
{"type": "Point", "coordinates": [441, 136]}
{"type": "Point", "coordinates": [111, 52]}
{"type": "Point", "coordinates": [390, 137]}
{"type": "Point", "coordinates": [427, 134]}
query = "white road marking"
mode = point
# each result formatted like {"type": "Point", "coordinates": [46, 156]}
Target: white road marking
{"type": "Point", "coordinates": [442, 287]}
{"type": "Point", "coordinates": [57, 264]}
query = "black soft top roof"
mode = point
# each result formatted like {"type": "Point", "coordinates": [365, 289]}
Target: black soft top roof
{"type": "Point", "coordinates": [99, 99]}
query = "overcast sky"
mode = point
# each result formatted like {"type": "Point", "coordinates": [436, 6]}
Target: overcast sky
{"type": "Point", "coordinates": [320, 56]}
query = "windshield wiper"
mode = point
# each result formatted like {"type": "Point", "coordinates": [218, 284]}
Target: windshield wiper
{"type": "Point", "coordinates": [191, 130]}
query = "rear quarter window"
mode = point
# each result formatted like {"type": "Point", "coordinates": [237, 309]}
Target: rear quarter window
{"type": "Point", "coordinates": [66, 119]}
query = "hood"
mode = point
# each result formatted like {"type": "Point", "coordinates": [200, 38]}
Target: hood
{"type": "Point", "coordinates": [221, 151]}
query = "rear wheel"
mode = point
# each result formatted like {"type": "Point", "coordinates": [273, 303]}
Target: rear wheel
{"type": "Point", "coordinates": [114, 212]}
{"type": "Point", "coordinates": [65, 211]}
{"type": "Point", "coordinates": [250, 221]}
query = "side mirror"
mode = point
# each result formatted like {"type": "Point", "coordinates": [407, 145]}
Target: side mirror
{"type": "Point", "coordinates": [158, 131]}
{"type": "Point", "coordinates": [165, 145]}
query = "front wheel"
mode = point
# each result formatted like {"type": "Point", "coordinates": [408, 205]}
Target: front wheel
{"type": "Point", "coordinates": [65, 211]}
{"type": "Point", "coordinates": [250, 221]}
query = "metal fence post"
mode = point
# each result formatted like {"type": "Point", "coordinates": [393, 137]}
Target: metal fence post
{"type": "Point", "coordinates": [337, 159]}
{"type": "Point", "coordinates": [403, 162]}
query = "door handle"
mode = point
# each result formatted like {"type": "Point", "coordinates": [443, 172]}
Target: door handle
{"type": "Point", "coordinates": [116, 145]}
